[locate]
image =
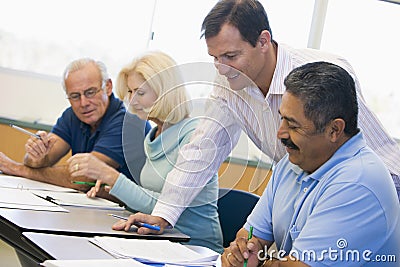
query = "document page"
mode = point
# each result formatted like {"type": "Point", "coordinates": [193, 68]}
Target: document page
{"type": "Point", "coordinates": [155, 251]}
{"type": "Point", "coordinates": [77, 199]}
{"type": "Point", "coordinates": [93, 263]}
{"type": "Point", "coordinates": [16, 182]}
{"type": "Point", "coordinates": [23, 199]}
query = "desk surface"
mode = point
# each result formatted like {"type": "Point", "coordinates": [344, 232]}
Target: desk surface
{"type": "Point", "coordinates": [62, 247]}
{"type": "Point", "coordinates": [78, 222]}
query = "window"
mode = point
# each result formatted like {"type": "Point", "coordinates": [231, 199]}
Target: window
{"type": "Point", "coordinates": [364, 32]}
{"type": "Point", "coordinates": [42, 36]}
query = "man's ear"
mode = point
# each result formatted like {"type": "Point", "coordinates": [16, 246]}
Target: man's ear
{"type": "Point", "coordinates": [109, 87]}
{"type": "Point", "coordinates": [336, 129]}
{"type": "Point", "coordinates": [264, 39]}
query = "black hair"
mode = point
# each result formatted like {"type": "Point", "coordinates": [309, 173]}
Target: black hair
{"type": "Point", "coordinates": [327, 92]}
{"type": "Point", "coordinates": [248, 16]}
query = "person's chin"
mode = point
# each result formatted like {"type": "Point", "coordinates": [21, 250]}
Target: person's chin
{"type": "Point", "coordinates": [89, 121]}
{"type": "Point", "coordinates": [236, 85]}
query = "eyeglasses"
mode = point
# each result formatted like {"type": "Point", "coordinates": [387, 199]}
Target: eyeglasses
{"type": "Point", "coordinates": [89, 93]}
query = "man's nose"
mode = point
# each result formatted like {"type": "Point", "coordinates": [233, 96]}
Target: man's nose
{"type": "Point", "coordinates": [222, 68]}
{"type": "Point", "coordinates": [83, 100]}
{"type": "Point", "coordinates": [282, 132]}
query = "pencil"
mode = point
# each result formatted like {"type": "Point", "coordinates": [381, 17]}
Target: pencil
{"type": "Point", "coordinates": [87, 183]}
{"type": "Point", "coordinates": [248, 238]}
{"type": "Point", "coordinates": [25, 131]}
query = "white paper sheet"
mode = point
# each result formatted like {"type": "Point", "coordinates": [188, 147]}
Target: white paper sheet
{"type": "Point", "coordinates": [78, 200]}
{"type": "Point", "coordinates": [24, 199]}
{"type": "Point", "coordinates": [16, 182]}
{"type": "Point", "coordinates": [93, 263]}
{"type": "Point", "coordinates": [155, 251]}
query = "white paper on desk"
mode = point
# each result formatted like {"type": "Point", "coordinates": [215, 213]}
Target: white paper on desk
{"type": "Point", "coordinates": [78, 200]}
{"type": "Point", "coordinates": [24, 183]}
{"type": "Point", "coordinates": [23, 199]}
{"type": "Point", "coordinates": [154, 251]}
{"type": "Point", "coordinates": [93, 263]}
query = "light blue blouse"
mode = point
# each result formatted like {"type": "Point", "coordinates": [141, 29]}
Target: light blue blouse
{"type": "Point", "coordinates": [200, 220]}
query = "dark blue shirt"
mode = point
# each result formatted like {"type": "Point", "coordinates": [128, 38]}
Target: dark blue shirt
{"type": "Point", "coordinates": [108, 137]}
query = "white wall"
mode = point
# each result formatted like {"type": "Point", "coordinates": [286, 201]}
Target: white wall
{"type": "Point", "coordinates": [31, 97]}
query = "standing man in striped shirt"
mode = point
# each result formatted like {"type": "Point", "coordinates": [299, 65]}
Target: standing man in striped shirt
{"type": "Point", "coordinates": [239, 38]}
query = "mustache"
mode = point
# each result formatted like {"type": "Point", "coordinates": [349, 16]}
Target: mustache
{"type": "Point", "coordinates": [288, 143]}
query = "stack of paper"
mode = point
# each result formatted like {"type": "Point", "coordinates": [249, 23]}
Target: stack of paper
{"type": "Point", "coordinates": [156, 251]}
{"type": "Point", "coordinates": [56, 194]}
{"type": "Point", "coordinates": [77, 199]}
{"type": "Point", "coordinates": [16, 182]}
{"type": "Point", "coordinates": [23, 199]}
{"type": "Point", "coordinates": [93, 263]}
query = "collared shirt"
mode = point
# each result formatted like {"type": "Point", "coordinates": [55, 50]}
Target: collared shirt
{"type": "Point", "coordinates": [341, 206]}
{"type": "Point", "coordinates": [248, 110]}
{"type": "Point", "coordinates": [107, 139]}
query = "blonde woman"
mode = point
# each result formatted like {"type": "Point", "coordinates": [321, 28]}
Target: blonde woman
{"type": "Point", "coordinates": [153, 86]}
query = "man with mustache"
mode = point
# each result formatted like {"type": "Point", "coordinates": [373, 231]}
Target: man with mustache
{"type": "Point", "coordinates": [324, 195]}
{"type": "Point", "coordinates": [239, 38]}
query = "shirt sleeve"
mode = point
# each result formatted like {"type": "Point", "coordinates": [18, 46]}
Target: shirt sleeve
{"type": "Point", "coordinates": [214, 138]}
{"type": "Point", "coordinates": [134, 196]}
{"type": "Point", "coordinates": [261, 216]}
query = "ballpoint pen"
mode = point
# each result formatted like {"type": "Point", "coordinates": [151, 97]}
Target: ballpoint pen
{"type": "Point", "coordinates": [137, 224]}
{"type": "Point", "coordinates": [87, 183]}
{"type": "Point", "coordinates": [25, 131]}
{"type": "Point", "coordinates": [248, 238]}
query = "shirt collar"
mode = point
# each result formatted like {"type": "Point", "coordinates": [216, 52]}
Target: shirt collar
{"type": "Point", "coordinates": [282, 69]}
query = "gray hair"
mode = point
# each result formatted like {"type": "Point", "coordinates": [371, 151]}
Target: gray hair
{"type": "Point", "coordinates": [80, 64]}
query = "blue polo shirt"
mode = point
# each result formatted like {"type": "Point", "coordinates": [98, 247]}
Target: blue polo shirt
{"type": "Point", "coordinates": [346, 213]}
{"type": "Point", "coordinates": [107, 139]}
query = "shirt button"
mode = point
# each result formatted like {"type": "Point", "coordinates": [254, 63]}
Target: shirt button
{"type": "Point", "coordinates": [305, 189]}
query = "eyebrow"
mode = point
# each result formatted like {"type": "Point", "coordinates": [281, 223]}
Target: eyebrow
{"type": "Point", "coordinates": [87, 89]}
{"type": "Point", "coordinates": [227, 53]}
{"type": "Point", "coordinates": [289, 119]}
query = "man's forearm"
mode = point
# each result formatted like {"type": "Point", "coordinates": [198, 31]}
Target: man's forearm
{"type": "Point", "coordinates": [36, 164]}
{"type": "Point", "coordinates": [57, 175]}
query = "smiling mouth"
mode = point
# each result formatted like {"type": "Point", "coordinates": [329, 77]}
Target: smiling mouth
{"type": "Point", "coordinates": [289, 144]}
{"type": "Point", "coordinates": [232, 76]}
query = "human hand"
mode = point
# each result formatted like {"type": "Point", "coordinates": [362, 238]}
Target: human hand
{"type": "Point", "coordinates": [142, 218]}
{"type": "Point", "coordinates": [240, 249]}
{"type": "Point", "coordinates": [8, 166]}
{"type": "Point", "coordinates": [89, 166]}
{"type": "Point", "coordinates": [99, 190]}
{"type": "Point", "coordinates": [37, 149]}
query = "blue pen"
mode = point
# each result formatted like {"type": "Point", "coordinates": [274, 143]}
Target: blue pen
{"type": "Point", "coordinates": [138, 224]}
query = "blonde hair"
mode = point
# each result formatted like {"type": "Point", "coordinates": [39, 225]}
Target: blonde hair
{"type": "Point", "coordinates": [161, 74]}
